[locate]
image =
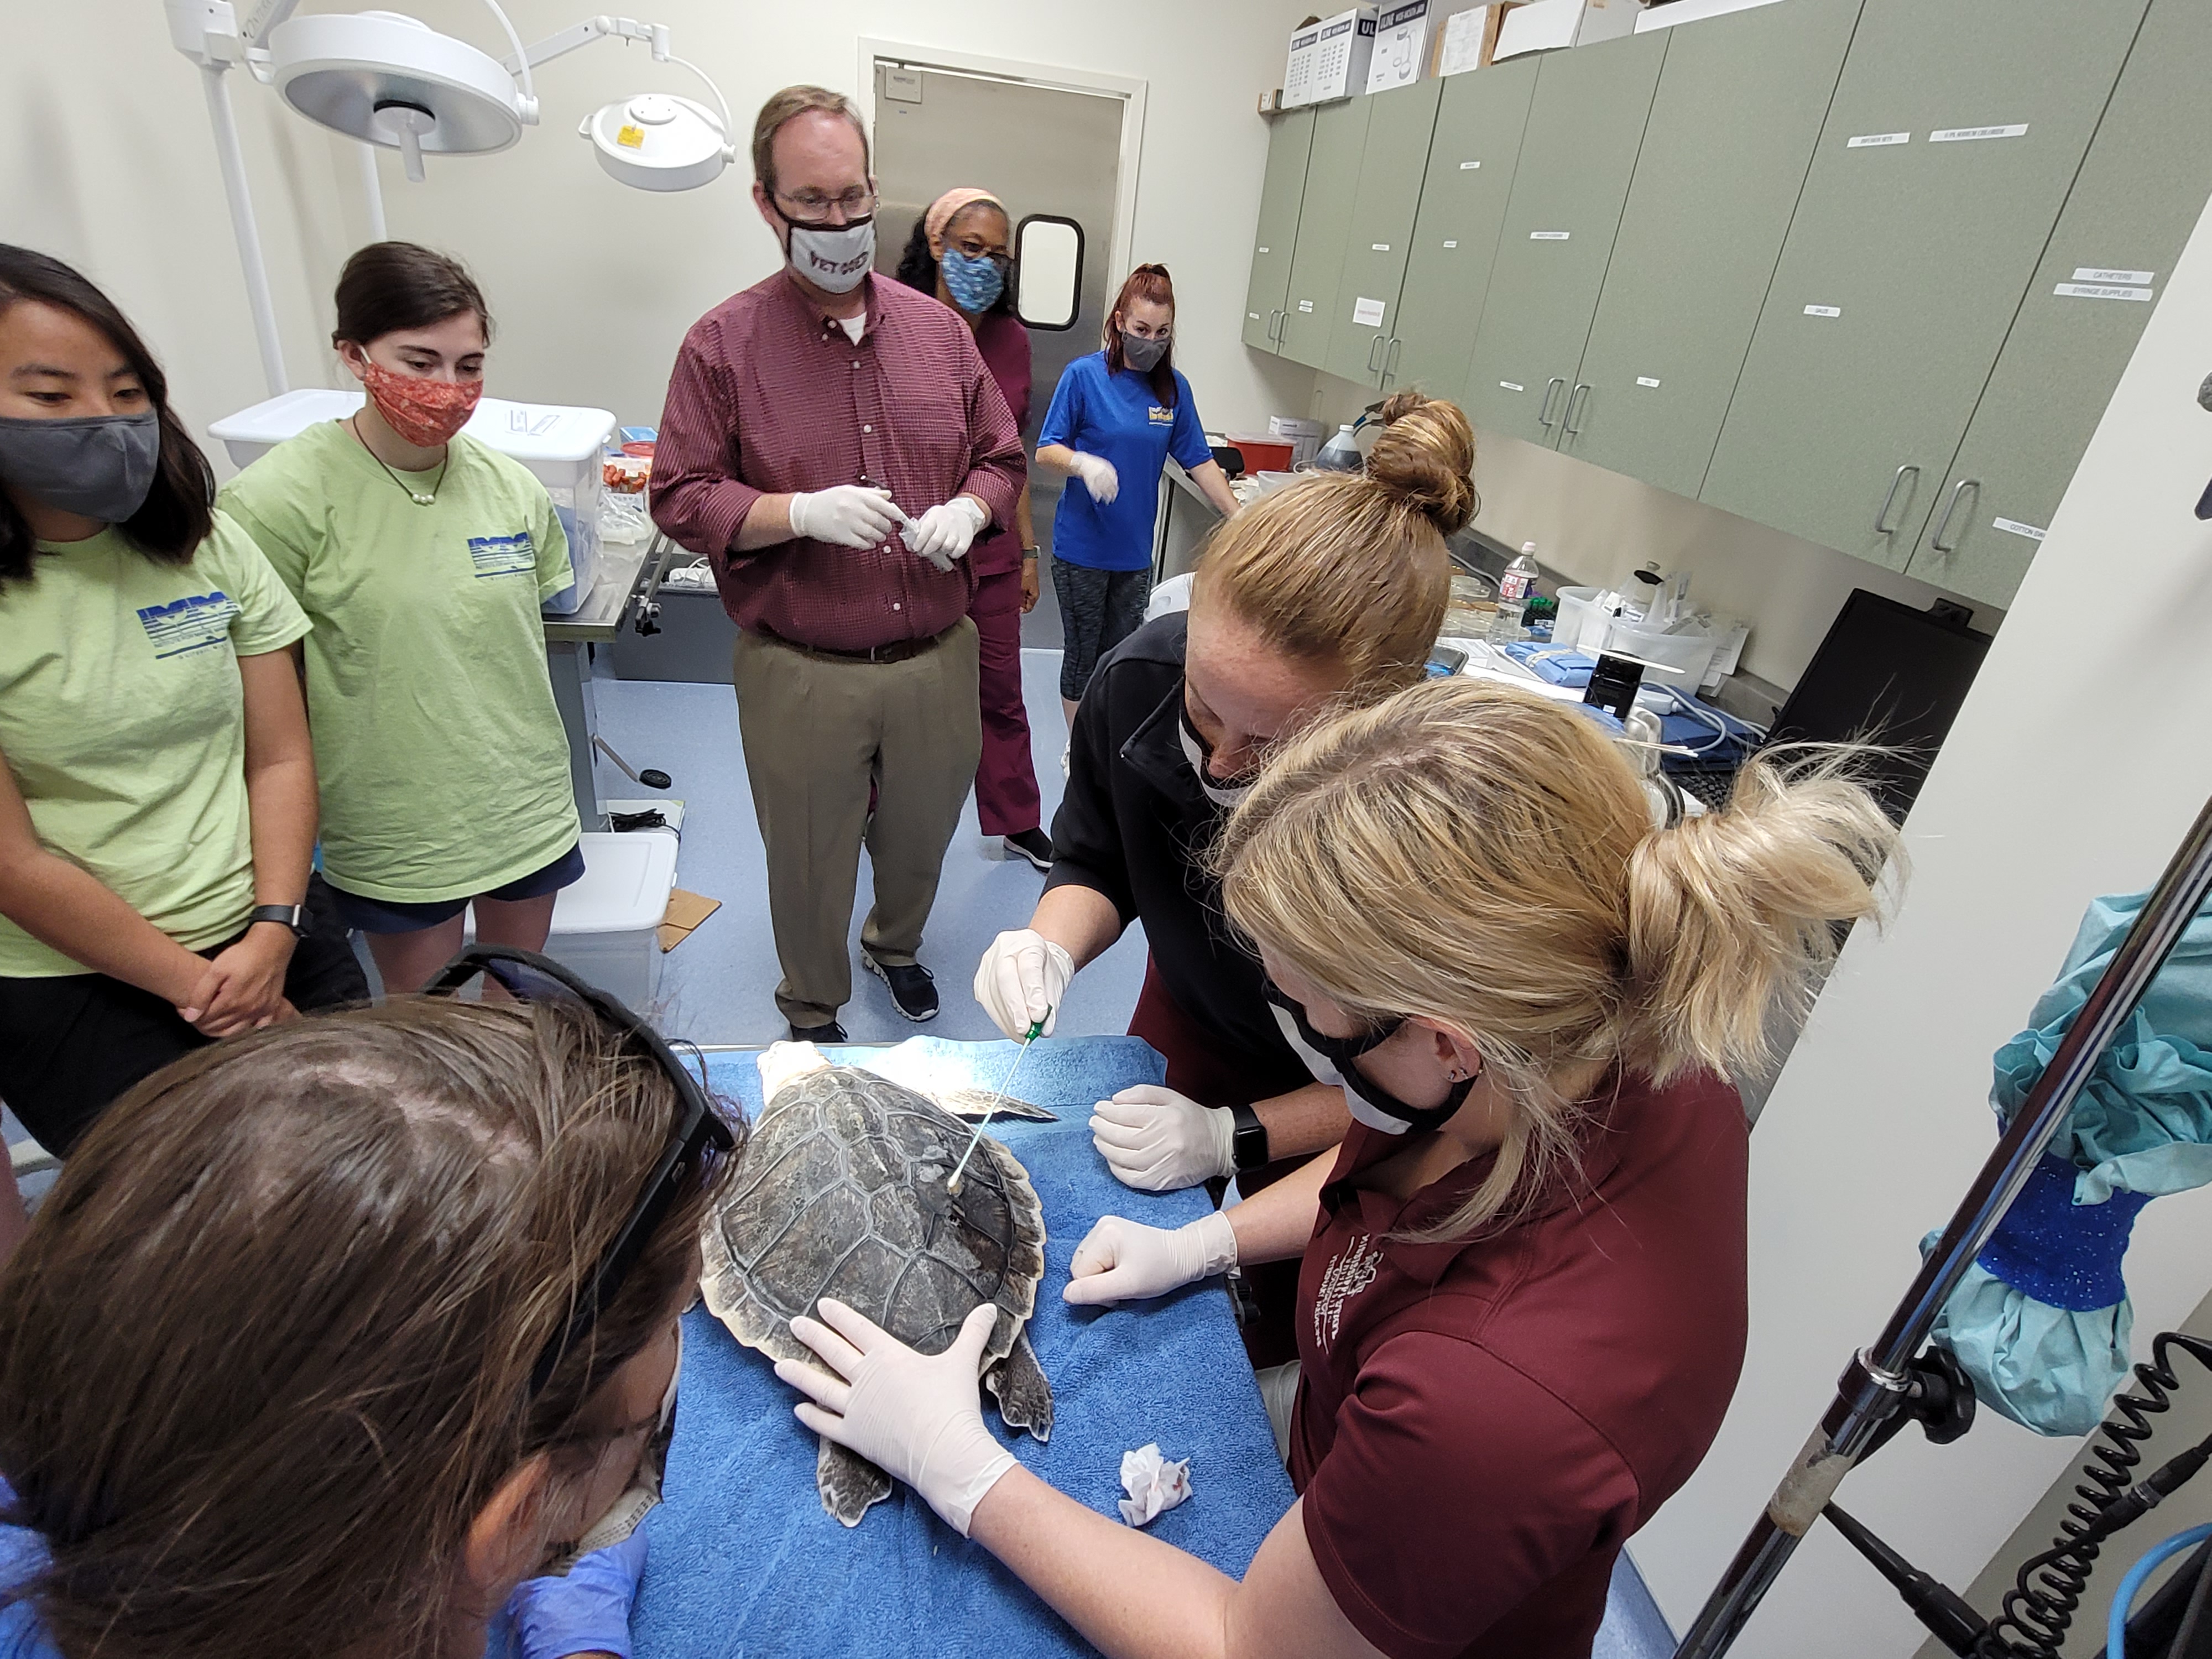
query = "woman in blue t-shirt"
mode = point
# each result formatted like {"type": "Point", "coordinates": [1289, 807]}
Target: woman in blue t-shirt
{"type": "Point", "coordinates": [1116, 418]}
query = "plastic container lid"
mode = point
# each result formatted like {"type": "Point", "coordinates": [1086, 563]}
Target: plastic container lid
{"type": "Point", "coordinates": [625, 885]}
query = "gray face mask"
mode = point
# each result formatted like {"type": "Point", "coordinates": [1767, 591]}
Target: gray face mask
{"type": "Point", "coordinates": [832, 258]}
{"type": "Point", "coordinates": [1143, 355]}
{"type": "Point", "coordinates": [101, 466]}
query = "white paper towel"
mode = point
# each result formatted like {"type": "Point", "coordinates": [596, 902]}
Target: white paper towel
{"type": "Point", "coordinates": [1154, 1484]}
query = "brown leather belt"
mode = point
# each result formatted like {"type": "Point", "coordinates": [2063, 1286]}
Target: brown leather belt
{"type": "Point", "coordinates": [896, 651]}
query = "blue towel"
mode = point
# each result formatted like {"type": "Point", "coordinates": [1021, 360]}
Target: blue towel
{"type": "Point", "coordinates": [746, 1562]}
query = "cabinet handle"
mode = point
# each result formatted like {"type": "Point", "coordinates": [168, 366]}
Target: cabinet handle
{"type": "Point", "coordinates": [1550, 387]}
{"type": "Point", "coordinates": [1574, 403]}
{"type": "Point", "coordinates": [1881, 524]}
{"type": "Point", "coordinates": [1390, 358]}
{"type": "Point", "coordinates": [1372, 346]}
{"type": "Point", "coordinates": [1936, 542]}
{"type": "Point", "coordinates": [1274, 324]}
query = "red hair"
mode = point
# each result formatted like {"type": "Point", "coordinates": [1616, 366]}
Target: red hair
{"type": "Point", "coordinates": [1145, 282]}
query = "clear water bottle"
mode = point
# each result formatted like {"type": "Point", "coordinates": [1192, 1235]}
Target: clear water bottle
{"type": "Point", "coordinates": [1340, 454]}
{"type": "Point", "coordinates": [1514, 589]}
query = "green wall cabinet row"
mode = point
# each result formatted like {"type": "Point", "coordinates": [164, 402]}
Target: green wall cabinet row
{"type": "Point", "coordinates": [1865, 270]}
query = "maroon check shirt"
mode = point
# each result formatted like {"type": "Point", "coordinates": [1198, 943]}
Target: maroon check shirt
{"type": "Point", "coordinates": [768, 396]}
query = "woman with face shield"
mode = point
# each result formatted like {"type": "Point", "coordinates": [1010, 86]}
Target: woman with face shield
{"type": "Point", "coordinates": [1331, 588]}
{"type": "Point", "coordinates": [332, 1337]}
{"type": "Point", "coordinates": [157, 786]}
{"type": "Point", "coordinates": [1521, 1274]}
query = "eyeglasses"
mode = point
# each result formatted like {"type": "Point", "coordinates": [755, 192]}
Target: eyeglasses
{"type": "Point", "coordinates": [977, 251]}
{"type": "Point", "coordinates": [697, 1142]}
{"type": "Point", "coordinates": [858, 203]}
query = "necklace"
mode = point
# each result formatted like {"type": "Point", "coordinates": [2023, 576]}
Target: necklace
{"type": "Point", "coordinates": [413, 494]}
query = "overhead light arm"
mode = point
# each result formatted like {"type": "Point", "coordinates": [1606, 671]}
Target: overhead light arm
{"type": "Point", "coordinates": [604, 27]}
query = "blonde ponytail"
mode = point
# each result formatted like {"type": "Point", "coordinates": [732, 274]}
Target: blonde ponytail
{"type": "Point", "coordinates": [1731, 916]}
{"type": "Point", "coordinates": [1484, 858]}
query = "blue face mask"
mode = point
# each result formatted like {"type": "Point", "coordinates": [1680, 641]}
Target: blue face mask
{"type": "Point", "coordinates": [973, 284]}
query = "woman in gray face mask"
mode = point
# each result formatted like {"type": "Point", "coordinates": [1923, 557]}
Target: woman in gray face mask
{"type": "Point", "coordinates": [157, 802]}
{"type": "Point", "coordinates": [1115, 419]}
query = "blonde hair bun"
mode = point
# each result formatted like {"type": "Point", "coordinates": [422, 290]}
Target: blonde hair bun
{"type": "Point", "coordinates": [1425, 457]}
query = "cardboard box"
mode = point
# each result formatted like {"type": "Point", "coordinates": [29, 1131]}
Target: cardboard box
{"type": "Point", "coordinates": [1343, 46]}
{"type": "Point", "coordinates": [1466, 35]}
{"type": "Point", "coordinates": [1548, 25]}
{"type": "Point", "coordinates": [1304, 435]}
{"type": "Point", "coordinates": [1298, 68]}
{"type": "Point", "coordinates": [1402, 45]}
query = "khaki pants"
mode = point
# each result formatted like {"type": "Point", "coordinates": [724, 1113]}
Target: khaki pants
{"type": "Point", "coordinates": [818, 733]}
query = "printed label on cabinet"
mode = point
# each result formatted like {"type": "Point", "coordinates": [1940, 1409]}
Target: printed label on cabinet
{"type": "Point", "coordinates": [1549, 235]}
{"type": "Point", "coordinates": [1823, 311]}
{"type": "Point", "coordinates": [2015, 527]}
{"type": "Point", "coordinates": [1368, 313]}
{"type": "Point", "coordinates": [1306, 306]}
{"type": "Point", "coordinates": [2098, 291]}
{"type": "Point", "coordinates": [1451, 241]}
{"type": "Point", "coordinates": [1876, 140]}
{"type": "Point", "coordinates": [1468, 166]}
{"type": "Point", "coordinates": [1645, 379]}
{"type": "Point", "coordinates": [2090, 274]}
{"type": "Point", "coordinates": [1967, 135]}
{"type": "Point", "coordinates": [1378, 247]}
{"type": "Point", "coordinates": [1512, 385]}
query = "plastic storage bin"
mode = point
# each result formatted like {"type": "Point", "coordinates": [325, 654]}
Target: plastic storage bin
{"type": "Point", "coordinates": [561, 446]}
{"type": "Point", "coordinates": [606, 926]}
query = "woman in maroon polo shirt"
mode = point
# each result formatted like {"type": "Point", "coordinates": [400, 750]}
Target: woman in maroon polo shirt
{"type": "Point", "coordinates": [1521, 1309]}
{"type": "Point", "coordinates": [960, 251]}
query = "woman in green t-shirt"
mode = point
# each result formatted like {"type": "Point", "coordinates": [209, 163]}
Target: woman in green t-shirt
{"type": "Point", "coordinates": [423, 556]}
{"type": "Point", "coordinates": [157, 802]}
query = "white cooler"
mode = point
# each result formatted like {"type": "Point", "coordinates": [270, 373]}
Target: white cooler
{"type": "Point", "coordinates": [606, 926]}
{"type": "Point", "coordinates": [560, 445]}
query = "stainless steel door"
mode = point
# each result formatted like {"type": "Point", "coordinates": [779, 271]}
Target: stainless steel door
{"type": "Point", "coordinates": [1039, 149]}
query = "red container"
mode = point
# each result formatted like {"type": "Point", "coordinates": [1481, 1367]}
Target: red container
{"type": "Point", "coordinates": [1263, 454]}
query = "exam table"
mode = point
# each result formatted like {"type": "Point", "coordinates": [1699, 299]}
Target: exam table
{"type": "Point", "coordinates": [746, 1562]}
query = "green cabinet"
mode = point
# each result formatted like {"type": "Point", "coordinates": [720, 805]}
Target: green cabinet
{"type": "Point", "coordinates": [1289, 143]}
{"type": "Point", "coordinates": [1725, 153]}
{"type": "Point", "coordinates": [1585, 122]}
{"type": "Point", "coordinates": [1955, 131]}
{"type": "Point", "coordinates": [2123, 227]}
{"type": "Point", "coordinates": [1455, 237]}
{"type": "Point", "coordinates": [1399, 125]}
{"type": "Point", "coordinates": [1339, 140]}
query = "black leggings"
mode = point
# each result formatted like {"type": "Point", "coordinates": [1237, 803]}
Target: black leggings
{"type": "Point", "coordinates": [71, 1044]}
{"type": "Point", "coordinates": [1098, 610]}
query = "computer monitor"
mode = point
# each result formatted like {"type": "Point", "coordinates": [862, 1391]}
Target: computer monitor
{"type": "Point", "coordinates": [1885, 674]}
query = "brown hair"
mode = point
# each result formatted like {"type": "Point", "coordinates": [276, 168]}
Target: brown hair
{"type": "Point", "coordinates": [1484, 857]}
{"type": "Point", "coordinates": [1352, 569]}
{"type": "Point", "coordinates": [788, 105]}
{"type": "Point", "coordinates": [389, 286]}
{"type": "Point", "coordinates": [266, 1353]}
{"type": "Point", "coordinates": [178, 511]}
{"type": "Point", "coordinates": [1145, 283]}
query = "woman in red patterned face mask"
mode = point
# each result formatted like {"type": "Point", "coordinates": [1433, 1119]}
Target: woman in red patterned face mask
{"type": "Point", "coordinates": [421, 555]}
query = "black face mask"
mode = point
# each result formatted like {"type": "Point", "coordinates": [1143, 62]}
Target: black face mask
{"type": "Point", "coordinates": [1370, 1102]}
{"type": "Point", "coordinates": [1222, 791]}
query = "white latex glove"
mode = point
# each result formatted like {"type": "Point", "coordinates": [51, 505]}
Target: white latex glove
{"type": "Point", "coordinates": [1022, 979]}
{"type": "Point", "coordinates": [1158, 1141]}
{"type": "Point", "coordinates": [1098, 477]}
{"type": "Point", "coordinates": [1123, 1260]}
{"type": "Point", "coordinates": [847, 515]}
{"type": "Point", "coordinates": [919, 1419]}
{"type": "Point", "coordinates": [945, 531]}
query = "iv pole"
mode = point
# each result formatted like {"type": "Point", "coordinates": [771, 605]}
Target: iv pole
{"type": "Point", "coordinates": [1873, 1385]}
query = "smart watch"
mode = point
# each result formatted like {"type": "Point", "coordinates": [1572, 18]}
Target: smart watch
{"type": "Point", "coordinates": [293, 916]}
{"type": "Point", "coordinates": [1247, 1141]}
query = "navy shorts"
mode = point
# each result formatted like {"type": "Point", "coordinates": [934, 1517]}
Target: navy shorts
{"type": "Point", "coordinates": [387, 916]}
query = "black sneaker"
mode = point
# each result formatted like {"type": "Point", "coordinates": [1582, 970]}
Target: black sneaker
{"type": "Point", "coordinates": [833, 1032]}
{"type": "Point", "coordinates": [1034, 845]}
{"type": "Point", "coordinates": [913, 988]}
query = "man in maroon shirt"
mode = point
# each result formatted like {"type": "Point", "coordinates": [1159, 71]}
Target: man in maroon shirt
{"type": "Point", "coordinates": [835, 444]}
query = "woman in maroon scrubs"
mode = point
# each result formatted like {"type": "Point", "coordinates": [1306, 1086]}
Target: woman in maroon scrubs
{"type": "Point", "coordinates": [1521, 1302]}
{"type": "Point", "coordinates": [962, 251]}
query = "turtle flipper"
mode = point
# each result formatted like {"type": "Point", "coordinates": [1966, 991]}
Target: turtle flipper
{"type": "Point", "coordinates": [1025, 1396]}
{"type": "Point", "coordinates": [848, 1483]}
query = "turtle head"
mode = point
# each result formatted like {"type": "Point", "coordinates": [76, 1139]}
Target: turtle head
{"type": "Point", "coordinates": [782, 1063]}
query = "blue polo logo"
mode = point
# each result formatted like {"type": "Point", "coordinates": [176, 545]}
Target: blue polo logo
{"type": "Point", "coordinates": [503, 555]}
{"type": "Point", "coordinates": [1163, 416]}
{"type": "Point", "coordinates": [188, 624]}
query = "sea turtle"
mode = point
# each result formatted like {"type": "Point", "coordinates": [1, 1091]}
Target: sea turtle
{"type": "Point", "coordinates": [829, 1200]}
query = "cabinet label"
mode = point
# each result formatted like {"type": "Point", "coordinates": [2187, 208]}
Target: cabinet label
{"type": "Point", "coordinates": [1253, 315]}
{"type": "Point", "coordinates": [1965, 135]}
{"type": "Point", "coordinates": [1645, 379]}
{"type": "Point", "coordinates": [1549, 235]}
{"type": "Point", "coordinates": [1368, 313]}
{"type": "Point", "coordinates": [2015, 527]}
{"type": "Point", "coordinates": [1468, 166]}
{"type": "Point", "coordinates": [2090, 274]}
{"type": "Point", "coordinates": [1260, 250]}
{"type": "Point", "coordinates": [1823, 311]}
{"type": "Point", "coordinates": [2098, 291]}
{"type": "Point", "coordinates": [1512, 385]}
{"type": "Point", "coordinates": [1874, 140]}
{"type": "Point", "coordinates": [1378, 247]}
{"type": "Point", "coordinates": [1306, 306]}
{"type": "Point", "coordinates": [1451, 242]}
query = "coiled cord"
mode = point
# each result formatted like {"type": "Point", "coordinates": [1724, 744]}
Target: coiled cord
{"type": "Point", "coordinates": [2039, 1607]}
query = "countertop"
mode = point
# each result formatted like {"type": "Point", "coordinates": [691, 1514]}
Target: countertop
{"type": "Point", "coordinates": [602, 613]}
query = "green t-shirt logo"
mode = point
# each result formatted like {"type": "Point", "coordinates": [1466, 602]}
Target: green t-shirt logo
{"type": "Point", "coordinates": [503, 555]}
{"type": "Point", "coordinates": [188, 624]}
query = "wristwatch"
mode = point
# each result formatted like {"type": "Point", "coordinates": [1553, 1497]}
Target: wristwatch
{"type": "Point", "coordinates": [1028, 553]}
{"type": "Point", "coordinates": [293, 916]}
{"type": "Point", "coordinates": [1247, 1141]}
